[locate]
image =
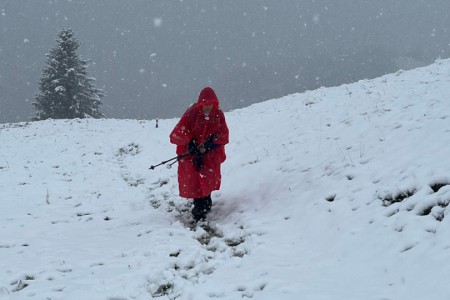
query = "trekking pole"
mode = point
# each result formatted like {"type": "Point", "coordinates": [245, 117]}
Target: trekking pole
{"type": "Point", "coordinates": [169, 166]}
{"type": "Point", "coordinates": [176, 158]}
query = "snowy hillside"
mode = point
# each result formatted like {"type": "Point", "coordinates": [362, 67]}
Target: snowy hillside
{"type": "Point", "coordinates": [338, 193]}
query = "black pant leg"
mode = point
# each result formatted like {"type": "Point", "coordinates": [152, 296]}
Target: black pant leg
{"type": "Point", "coordinates": [201, 207]}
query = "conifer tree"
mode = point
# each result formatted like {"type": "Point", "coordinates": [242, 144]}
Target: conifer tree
{"type": "Point", "coordinates": [65, 90]}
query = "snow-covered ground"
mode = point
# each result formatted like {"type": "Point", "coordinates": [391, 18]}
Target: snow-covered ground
{"type": "Point", "coordinates": [339, 193]}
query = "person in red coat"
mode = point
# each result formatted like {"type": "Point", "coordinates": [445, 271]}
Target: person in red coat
{"type": "Point", "coordinates": [202, 132]}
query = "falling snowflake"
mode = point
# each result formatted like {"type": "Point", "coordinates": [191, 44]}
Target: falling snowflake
{"type": "Point", "coordinates": [157, 22]}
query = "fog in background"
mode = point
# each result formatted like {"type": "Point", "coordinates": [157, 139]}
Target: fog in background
{"type": "Point", "coordinates": [152, 57]}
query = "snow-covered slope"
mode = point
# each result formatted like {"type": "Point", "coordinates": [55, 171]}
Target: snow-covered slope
{"type": "Point", "coordinates": [337, 193]}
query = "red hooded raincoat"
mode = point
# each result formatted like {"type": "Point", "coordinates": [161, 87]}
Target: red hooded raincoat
{"type": "Point", "coordinates": [195, 125]}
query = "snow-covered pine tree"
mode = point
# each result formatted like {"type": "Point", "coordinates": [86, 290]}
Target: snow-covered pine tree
{"type": "Point", "coordinates": [65, 90]}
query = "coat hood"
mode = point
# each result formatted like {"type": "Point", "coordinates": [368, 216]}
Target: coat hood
{"type": "Point", "coordinates": [208, 96]}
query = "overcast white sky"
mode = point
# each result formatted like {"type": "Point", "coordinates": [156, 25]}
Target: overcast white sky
{"type": "Point", "coordinates": [153, 57]}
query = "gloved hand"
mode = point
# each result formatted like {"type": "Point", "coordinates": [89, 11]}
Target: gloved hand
{"type": "Point", "coordinates": [209, 143]}
{"type": "Point", "coordinates": [192, 147]}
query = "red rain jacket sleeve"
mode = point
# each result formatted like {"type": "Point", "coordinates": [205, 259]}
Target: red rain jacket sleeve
{"type": "Point", "coordinates": [182, 133]}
